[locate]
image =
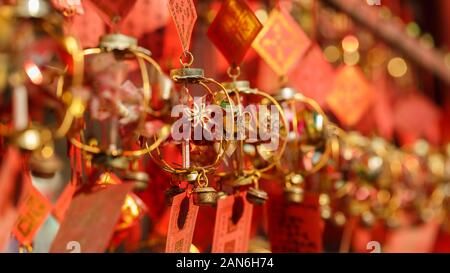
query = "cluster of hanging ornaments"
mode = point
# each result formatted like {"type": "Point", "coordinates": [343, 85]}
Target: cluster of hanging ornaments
{"type": "Point", "coordinates": [118, 109]}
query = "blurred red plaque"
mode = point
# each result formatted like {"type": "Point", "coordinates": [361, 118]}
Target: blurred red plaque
{"type": "Point", "coordinates": [91, 219]}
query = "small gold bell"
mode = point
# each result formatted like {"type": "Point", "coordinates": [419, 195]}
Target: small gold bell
{"type": "Point", "coordinates": [293, 195]}
{"type": "Point", "coordinates": [205, 196]}
{"type": "Point", "coordinates": [257, 196]}
{"type": "Point", "coordinates": [140, 180]}
{"type": "Point", "coordinates": [171, 193]}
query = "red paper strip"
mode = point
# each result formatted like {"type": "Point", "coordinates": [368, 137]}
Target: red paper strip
{"type": "Point", "coordinates": [281, 43]}
{"type": "Point", "coordinates": [351, 95]}
{"type": "Point", "coordinates": [231, 234]}
{"type": "Point", "coordinates": [32, 214]}
{"type": "Point", "coordinates": [63, 203]}
{"type": "Point", "coordinates": [183, 215]}
{"type": "Point", "coordinates": [10, 192]}
{"type": "Point", "coordinates": [234, 29]}
{"type": "Point", "coordinates": [295, 228]}
{"type": "Point", "coordinates": [91, 219]}
{"type": "Point", "coordinates": [184, 15]}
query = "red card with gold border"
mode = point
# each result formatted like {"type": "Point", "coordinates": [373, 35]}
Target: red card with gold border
{"type": "Point", "coordinates": [32, 214]}
{"type": "Point", "coordinates": [234, 29]}
{"type": "Point", "coordinates": [233, 223]}
{"type": "Point", "coordinates": [281, 43]}
{"type": "Point", "coordinates": [351, 95]}
{"type": "Point", "coordinates": [91, 219]}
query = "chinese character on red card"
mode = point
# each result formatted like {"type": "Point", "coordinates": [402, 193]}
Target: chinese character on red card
{"type": "Point", "coordinates": [183, 215]}
{"type": "Point", "coordinates": [295, 228]}
{"type": "Point", "coordinates": [281, 43]}
{"type": "Point", "coordinates": [91, 219]}
{"type": "Point", "coordinates": [233, 223]}
{"type": "Point", "coordinates": [234, 29]}
{"type": "Point", "coordinates": [184, 15]}
{"type": "Point", "coordinates": [32, 214]}
{"type": "Point", "coordinates": [351, 95]}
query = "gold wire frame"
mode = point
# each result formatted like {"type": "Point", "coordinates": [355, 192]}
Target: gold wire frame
{"type": "Point", "coordinates": [280, 152]}
{"type": "Point", "coordinates": [202, 81]}
{"type": "Point", "coordinates": [142, 59]}
{"type": "Point", "coordinates": [329, 143]}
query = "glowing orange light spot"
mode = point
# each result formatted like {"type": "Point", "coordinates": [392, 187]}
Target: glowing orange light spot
{"type": "Point", "coordinates": [350, 44]}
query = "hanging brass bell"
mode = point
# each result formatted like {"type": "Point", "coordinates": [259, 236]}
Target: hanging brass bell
{"type": "Point", "coordinates": [44, 167]}
{"type": "Point", "coordinates": [257, 196]}
{"type": "Point", "coordinates": [140, 180]}
{"type": "Point", "coordinates": [171, 193]}
{"type": "Point", "coordinates": [293, 195]}
{"type": "Point", "coordinates": [204, 196]}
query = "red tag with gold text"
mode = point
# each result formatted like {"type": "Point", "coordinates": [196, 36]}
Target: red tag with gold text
{"type": "Point", "coordinates": [91, 219]}
{"type": "Point", "coordinates": [233, 223]}
{"type": "Point", "coordinates": [234, 29]}
{"type": "Point", "coordinates": [351, 95]}
{"type": "Point", "coordinates": [32, 214]}
{"type": "Point", "coordinates": [281, 43]}
{"type": "Point", "coordinates": [184, 15]}
{"type": "Point", "coordinates": [295, 228]}
{"type": "Point", "coordinates": [183, 215]}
